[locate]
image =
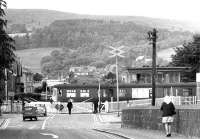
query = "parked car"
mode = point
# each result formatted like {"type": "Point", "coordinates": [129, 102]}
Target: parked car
{"type": "Point", "coordinates": [30, 112]}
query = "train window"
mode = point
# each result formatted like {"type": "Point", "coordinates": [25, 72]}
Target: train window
{"type": "Point", "coordinates": [122, 92]}
{"type": "Point", "coordinates": [84, 95]}
{"type": "Point", "coordinates": [84, 91]}
{"type": "Point", "coordinates": [70, 95]}
{"type": "Point", "coordinates": [71, 91]}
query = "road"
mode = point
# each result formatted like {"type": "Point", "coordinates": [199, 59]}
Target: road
{"type": "Point", "coordinates": [62, 126]}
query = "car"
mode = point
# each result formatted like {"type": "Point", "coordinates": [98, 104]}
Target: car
{"type": "Point", "coordinates": [30, 112]}
{"type": "Point", "coordinates": [42, 111]}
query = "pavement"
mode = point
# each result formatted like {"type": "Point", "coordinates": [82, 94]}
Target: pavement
{"type": "Point", "coordinates": [132, 133]}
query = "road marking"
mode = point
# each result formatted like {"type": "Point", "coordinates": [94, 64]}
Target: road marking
{"type": "Point", "coordinates": [50, 134]}
{"type": "Point", "coordinates": [44, 123]}
{"type": "Point", "coordinates": [5, 125]}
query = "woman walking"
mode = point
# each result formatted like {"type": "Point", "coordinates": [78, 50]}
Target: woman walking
{"type": "Point", "coordinates": [168, 110]}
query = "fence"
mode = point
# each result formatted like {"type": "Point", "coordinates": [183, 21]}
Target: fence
{"type": "Point", "coordinates": [177, 100]}
{"type": "Point", "coordinates": [15, 107]}
{"type": "Point", "coordinates": [61, 107]}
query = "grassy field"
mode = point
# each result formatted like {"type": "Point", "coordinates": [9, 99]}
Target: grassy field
{"type": "Point", "coordinates": [32, 57]}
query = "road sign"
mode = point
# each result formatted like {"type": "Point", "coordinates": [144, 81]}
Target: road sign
{"type": "Point", "coordinates": [116, 51]}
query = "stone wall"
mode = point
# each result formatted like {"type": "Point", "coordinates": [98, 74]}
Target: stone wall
{"type": "Point", "coordinates": [186, 122]}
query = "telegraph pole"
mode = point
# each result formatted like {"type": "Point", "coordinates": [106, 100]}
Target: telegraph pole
{"type": "Point", "coordinates": [152, 37]}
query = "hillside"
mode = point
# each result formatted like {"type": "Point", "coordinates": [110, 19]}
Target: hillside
{"type": "Point", "coordinates": [38, 18]}
{"type": "Point", "coordinates": [84, 39]}
{"type": "Point", "coordinates": [31, 57]}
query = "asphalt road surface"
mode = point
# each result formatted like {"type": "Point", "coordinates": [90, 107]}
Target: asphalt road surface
{"type": "Point", "coordinates": [61, 126]}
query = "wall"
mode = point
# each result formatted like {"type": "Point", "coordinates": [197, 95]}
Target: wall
{"type": "Point", "coordinates": [187, 119]}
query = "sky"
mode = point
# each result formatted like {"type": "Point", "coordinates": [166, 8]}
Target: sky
{"type": "Point", "coordinates": [185, 10]}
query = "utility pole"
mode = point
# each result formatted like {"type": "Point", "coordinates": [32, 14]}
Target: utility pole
{"type": "Point", "coordinates": [152, 37]}
{"type": "Point", "coordinates": [6, 85]}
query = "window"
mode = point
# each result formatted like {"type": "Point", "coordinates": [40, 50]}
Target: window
{"type": "Point", "coordinates": [70, 95]}
{"type": "Point", "coordinates": [122, 92]}
{"type": "Point", "coordinates": [71, 91]}
{"type": "Point", "coordinates": [84, 93]}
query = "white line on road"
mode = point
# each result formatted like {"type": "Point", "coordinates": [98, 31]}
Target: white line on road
{"type": "Point", "coordinates": [50, 134]}
{"type": "Point", "coordinates": [5, 125]}
{"type": "Point", "coordinates": [44, 123]}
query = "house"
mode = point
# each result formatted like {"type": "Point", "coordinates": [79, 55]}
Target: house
{"type": "Point", "coordinates": [83, 70]}
{"type": "Point", "coordinates": [27, 80]}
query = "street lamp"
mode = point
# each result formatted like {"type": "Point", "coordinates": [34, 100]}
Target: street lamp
{"type": "Point", "coordinates": [117, 52]}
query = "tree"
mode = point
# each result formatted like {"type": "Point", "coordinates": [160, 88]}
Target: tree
{"type": "Point", "coordinates": [7, 55]}
{"type": "Point", "coordinates": [37, 77]}
{"type": "Point", "coordinates": [110, 77]}
{"type": "Point", "coordinates": [188, 56]}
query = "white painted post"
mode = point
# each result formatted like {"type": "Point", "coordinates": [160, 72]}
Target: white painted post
{"type": "Point", "coordinates": [179, 100]}
{"type": "Point", "coordinates": [99, 95]}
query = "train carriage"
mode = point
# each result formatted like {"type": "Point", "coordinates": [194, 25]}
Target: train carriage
{"type": "Point", "coordinates": [89, 92]}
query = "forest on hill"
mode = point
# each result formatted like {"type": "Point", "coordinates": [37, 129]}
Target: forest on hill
{"type": "Point", "coordinates": [86, 41]}
{"type": "Point", "coordinates": [39, 18]}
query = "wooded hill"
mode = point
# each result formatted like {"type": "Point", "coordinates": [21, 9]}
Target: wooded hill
{"type": "Point", "coordinates": [39, 18]}
{"type": "Point", "coordinates": [85, 42]}
{"type": "Point", "coordinates": [85, 39]}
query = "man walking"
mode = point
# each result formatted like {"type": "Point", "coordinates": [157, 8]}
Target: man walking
{"type": "Point", "coordinates": [69, 106]}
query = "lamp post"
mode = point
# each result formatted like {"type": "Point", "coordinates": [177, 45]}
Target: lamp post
{"type": "Point", "coordinates": [117, 52]}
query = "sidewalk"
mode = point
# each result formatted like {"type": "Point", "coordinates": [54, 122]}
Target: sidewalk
{"type": "Point", "coordinates": [132, 133]}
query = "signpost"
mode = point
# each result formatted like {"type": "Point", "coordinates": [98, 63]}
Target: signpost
{"type": "Point", "coordinates": [117, 52]}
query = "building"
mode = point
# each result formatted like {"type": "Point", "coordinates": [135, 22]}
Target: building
{"type": "Point", "coordinates": [135, 84]}
{"type": "Point", "coordinates": [83, 70]}
{"type": "Point", "coordinates": [27, 80]}
{"type": "Point", "coordinates": [164, 74]}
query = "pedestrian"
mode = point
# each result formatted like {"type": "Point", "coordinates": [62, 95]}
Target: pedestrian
{"type": "Point", "coordinates": [69, 106]}
{"type": "Point", "coordinates": [95, 104]}
{"type": "Point", "coordinates": [168, 110]}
